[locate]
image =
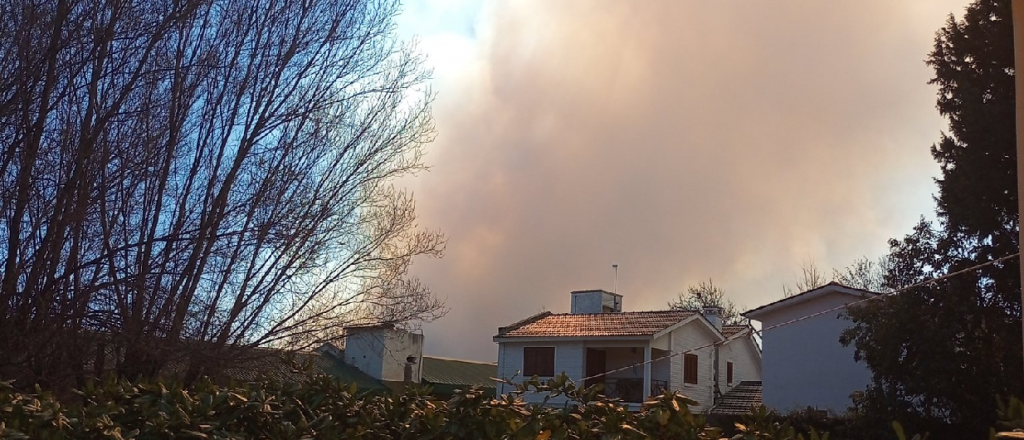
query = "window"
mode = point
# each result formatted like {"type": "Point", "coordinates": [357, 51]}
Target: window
{"type": "Point", "coordinates": [538, 361]}
{"type": "Point", "coordinates": [728, 373]}
{"type": "Point", "coordinates": [690, 368]}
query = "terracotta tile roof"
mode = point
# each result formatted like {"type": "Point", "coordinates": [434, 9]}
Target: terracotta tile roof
{"type": "Point", "coordinates": [731, 330]}
{"type": "Point", "coordinates": [594, 324]}
{"type": "Point", "coordinates": [740, 399]}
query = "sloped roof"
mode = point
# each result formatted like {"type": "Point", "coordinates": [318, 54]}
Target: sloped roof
{"type": "Point", "coordinates": [594, 324]}
{"type": "Point", "coordinates": [276, 366]}
{"type": "Point", "coordinates": [731, 330]}
{"type": "Point", "coordinates": [740, 399]}
{"type": "Point", "coordinates": [339, 369]}
{"type": "Point", "coordinates": [807, 296]}
{"type": "Point", "coordinates": [437, 370]}
{"type": "Point", "coordinates": [256, 364]}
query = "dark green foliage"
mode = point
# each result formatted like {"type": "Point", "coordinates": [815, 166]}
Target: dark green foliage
{"type": "Point", "coordinates": [847, 426]}
{"type": "Point", "coordinates": [323, 408]}
{"type": "Point", "coordinates": [939, 352]}
{"type": "Point", "coordinates": [1010, 416]}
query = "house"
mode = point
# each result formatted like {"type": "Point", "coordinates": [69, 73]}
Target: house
{"type": "Point", "coordinates": [804, 365]}
{"type": "Point", "coordinates": [393, 358]}
{"type": "Point", "coordinates": [643, 353]}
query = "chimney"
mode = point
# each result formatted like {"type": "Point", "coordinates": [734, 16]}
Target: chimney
{"type": "Point", "coordinates": [410, 367]}
{"type": "Point", "coordinates": [713, 315]}
{"type": "Point", "coordinates": [595, 301]}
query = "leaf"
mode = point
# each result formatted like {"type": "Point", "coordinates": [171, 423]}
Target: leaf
{"type": "Point", "coordinates": [896, 426]}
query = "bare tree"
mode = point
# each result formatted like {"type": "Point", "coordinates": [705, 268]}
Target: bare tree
{"type": "Point", "coordinates": [865, 274]}
{"type": "Point", "coordinates": [707, 294]}
{"type": "Point", "coordinates": [210, 171]}
{"type": "Point", "coordinates": [810, 278]}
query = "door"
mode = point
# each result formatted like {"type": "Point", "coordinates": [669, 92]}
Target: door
{"type": "Point", "coordinates": [595, 365]}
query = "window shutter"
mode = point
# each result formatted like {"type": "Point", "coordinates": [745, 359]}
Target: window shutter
{"type": "Point", "coordinates": [538, 361]}
{"type": "Point", "coordinates": [690, 368]}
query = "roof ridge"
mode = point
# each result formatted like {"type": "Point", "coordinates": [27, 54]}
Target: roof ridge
{"type": "Point", "coordinates": [644, 323]}
{"type": "Point", "coordinates": [522, 322]}
{"type": "Point", "coordinates": [624, 313]}
{"type": "Point", "coordinates": [459, 360]}
{"type": "Point", "coordinates": [810, 291]}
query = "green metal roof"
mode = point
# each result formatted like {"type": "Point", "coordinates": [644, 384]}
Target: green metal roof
{"type": "Point", "coordinates": [341, 370]}
{"type": "Point", "coordinates": [442, 371]}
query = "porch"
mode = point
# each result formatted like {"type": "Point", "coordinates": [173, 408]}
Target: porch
{"type": "Point", "coordinates": [637, 380]}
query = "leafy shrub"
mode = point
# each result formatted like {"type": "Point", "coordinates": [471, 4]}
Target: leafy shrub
{"type": "Point", "coordinates": [321, 407]}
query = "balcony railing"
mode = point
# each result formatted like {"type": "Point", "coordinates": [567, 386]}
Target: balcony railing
{"type": "Point", "coordinates": [632, 389]}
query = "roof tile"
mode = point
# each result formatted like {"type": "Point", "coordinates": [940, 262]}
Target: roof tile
{"type": "Point", "coordinates": [731, 330]}
{"type": "Point", "coordinates": [740, 399]}
{"type": "Point", "coordinates": [596, 324]}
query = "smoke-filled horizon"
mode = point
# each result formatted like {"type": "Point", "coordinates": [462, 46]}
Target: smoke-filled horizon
{"type": "Point", "coordinates": [682, 141]}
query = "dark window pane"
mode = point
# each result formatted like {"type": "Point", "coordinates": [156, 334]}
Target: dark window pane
{"type": "Point", "coordinates": [690, 368]}
{"type": "Point", "coordinates": [538, 361]}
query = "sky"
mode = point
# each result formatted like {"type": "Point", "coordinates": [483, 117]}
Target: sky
{"type": "Point", "coordinates": [681, 140]}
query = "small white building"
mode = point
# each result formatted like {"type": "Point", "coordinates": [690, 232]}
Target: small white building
{"type": "Point", "coordinates": [384, 352]}
{"type": "Point", "coordinates": [803, 364]}
{"type": "Point", "coordinates": [645, 351]}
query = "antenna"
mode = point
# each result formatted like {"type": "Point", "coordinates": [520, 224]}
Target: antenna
{"type": "Point", "coordinates": [615, 283]}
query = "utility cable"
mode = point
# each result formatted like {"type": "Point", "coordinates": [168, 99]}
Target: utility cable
{"type": "Point", "coordinates": [809, 316]}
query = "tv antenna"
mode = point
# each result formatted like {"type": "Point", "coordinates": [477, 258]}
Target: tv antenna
{"type": "Point", "coordinates": [615, 281]}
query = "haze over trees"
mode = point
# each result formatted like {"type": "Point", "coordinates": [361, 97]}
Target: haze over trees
{"type": "Point", "coordinates": [211, 171]}
{"type": "Point", "coordinates": [942, 352]}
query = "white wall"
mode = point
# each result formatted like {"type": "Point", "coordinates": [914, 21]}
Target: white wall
{"type": "Point", "coordinates": [746, 363]}
{"type": "Point", "coordinates": [569, 358]}
{"type": "Point", "coordinates": [804, 364]}
{"type": "Point", "coordinates": [381, 353]}
{"type": "Point", "coordinates": [364, 350]}
{"type": "Point", "coordinates": [693, 334]}
{"type": "Point", "coordinates": [398, 345]}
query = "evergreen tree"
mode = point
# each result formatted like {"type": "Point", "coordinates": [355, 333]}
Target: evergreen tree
{"type": "Point", "coordinates": [940, 354]}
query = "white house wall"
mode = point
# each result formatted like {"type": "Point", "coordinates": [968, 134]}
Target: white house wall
{"type": "Point", "coordinates": [569, 358]}
{"type": "Point", "coordinates": [694, 334]}
{"type": "Point", "coordinates": [804, 364]}
{"type": "Point", "coordinates": [746, 363]}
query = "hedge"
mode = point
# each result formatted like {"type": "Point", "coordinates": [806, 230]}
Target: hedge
{"type": "Point", "coordinates": [323, 408]}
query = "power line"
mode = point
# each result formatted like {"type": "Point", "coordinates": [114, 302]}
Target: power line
{"type": "Point", "coordinates": [671, 354]}
{"type": "Point", "coordinates": [809, 316]}
{"type": "Point", "coordinates": [894, 292]}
